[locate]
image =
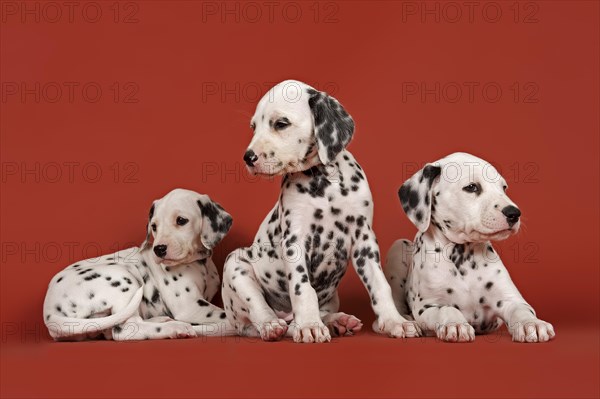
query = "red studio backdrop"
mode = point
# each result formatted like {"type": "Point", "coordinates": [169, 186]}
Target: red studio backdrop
{"type": "Point", "coordinates": [108, 105]}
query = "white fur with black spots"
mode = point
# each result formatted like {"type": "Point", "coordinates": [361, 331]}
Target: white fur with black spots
{"type": "Point", "coordinates": [450, 278]}
{"type": "Point", "coordinates": [322, 220]}
{"type": "Point", "coordinates": [159, 290]}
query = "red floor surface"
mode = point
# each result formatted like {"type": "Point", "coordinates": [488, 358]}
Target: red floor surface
{"type": "Point", "coordinates": [363, 366]}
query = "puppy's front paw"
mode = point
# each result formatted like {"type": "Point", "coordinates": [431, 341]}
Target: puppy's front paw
{"type": "Point", "coordinates": [273, 330]}
{"type": "Point", "coordinates": [456, 332]}
{"type": "Point", "coordinates": [313, 331]}
{"type": "Point", "coordinates": [534, 330]}
{"type": "Point", "coordinates": [398, 328]}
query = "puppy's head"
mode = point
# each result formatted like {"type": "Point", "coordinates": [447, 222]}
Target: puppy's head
{"type": "Point", "coordinates": [464, 197]}
{"type": "Point", "coordinates": [295, 128]}
{"type": "Point", "coordinates": [185, 226]}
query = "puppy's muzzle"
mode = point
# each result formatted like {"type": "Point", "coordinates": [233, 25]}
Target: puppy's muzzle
{"type": "Point", "coordinates": [160, 250]}
{"type": "Point", "coordinates": [250, 158]}
{"type": "Point", "coordinates": [512, 214]}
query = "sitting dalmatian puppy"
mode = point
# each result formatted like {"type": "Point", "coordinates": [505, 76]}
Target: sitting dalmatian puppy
{"type": "Point", "coordinates": [321, 221]}
{"type": "Point", "coordinates": [159, 290]}
{"type": "Point", "coordinates": [451, 278]}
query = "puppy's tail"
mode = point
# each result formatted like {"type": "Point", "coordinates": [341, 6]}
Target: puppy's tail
{"type": "Point", "coordinates": [397, 268]}
{"type": "Point", "coordinates": [61, 328]}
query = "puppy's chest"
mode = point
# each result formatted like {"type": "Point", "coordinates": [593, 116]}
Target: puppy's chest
{"type": "Point", "coordinates": [320, 213]}
{"type": "Point", "coordinates": [461, 276]}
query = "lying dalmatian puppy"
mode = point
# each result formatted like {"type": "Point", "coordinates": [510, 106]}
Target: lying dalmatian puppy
{"type": "Point", "coordinates": [453, 280]}
{"type": "Point", "coordinates": [152, 292]}
{"type": "Point", "coordinates": [322, 220]}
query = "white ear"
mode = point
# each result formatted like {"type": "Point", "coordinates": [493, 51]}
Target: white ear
{"type": "Point", "coordinates": [415, 196]}
{"type": "Point", "coordinates": [215, 222]}
{"type": "Point", "coordinates": [333, 127]}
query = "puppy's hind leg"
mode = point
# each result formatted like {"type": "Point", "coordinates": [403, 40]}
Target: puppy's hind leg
{"type": "Point", "coordinates": [207, 319]}
{"type": "Point", "coordinates": [340, 323]}
{"type": "Point", "coordinates": [136, 329]}
{"type": "Point", "coordinates": [244, 301]}
{"type": "Point", "coordinates": [397, 267]}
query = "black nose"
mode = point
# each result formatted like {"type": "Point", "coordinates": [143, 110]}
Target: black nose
{"type": "Point", "coordinates": [160, 250]}
{"type": "Point", "coordinates": [512, 214]}
{"type": "Point", "coordinates": [250, 157]}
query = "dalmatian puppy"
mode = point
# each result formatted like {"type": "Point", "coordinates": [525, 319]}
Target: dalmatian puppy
{"type": "Point", "coordinates": [321, 221]}
{"type": "Point", "coordinates": [452, 280]}
{"type": "Point", "coordinates": [159, 290]}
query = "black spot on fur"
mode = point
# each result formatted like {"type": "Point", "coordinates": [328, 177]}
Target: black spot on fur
{"type": "Point", "coordinates": [155, 296]}
{"type": "Point", "coordinates": [419, 216]}
{"type": "Point", "coordinates": [430, 172]}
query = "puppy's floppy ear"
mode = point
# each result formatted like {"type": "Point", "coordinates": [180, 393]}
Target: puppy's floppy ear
{"type": "Point", "coordinates": [146, 242]}
{"type": "Point", "coordinates": [215, 222]}
{"type": "Point", "coordinates": [333, 127]}
{"type": "Point", "coordinates": [416, 196]}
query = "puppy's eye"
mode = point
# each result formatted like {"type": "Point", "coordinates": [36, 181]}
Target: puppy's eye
{"type": "Point", "coordinates": [472, 188]}
{"type": "Point", "coordinates": [181, 221]}
{"type": "Point", "coordinates": [154, 227]}
{"type": "Point", "coordinates": [281, 124]}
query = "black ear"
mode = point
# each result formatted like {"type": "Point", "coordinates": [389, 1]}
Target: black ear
{"type": "Point", "coordinates": [415, 196]}
{"type": "Point", "coordinates": [146, 242]}
{"type": "Point", "coordinates": [333, 126]}
{"type": "Point", "coordinates": [215, 222]}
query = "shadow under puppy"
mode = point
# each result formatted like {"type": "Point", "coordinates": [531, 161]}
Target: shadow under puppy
{"type": "Point", "coordinates": [159, 290]}
{"type": "Point", "coordinates": [452, 280]}
{"type": "Point", "coordinates": [321, 221]}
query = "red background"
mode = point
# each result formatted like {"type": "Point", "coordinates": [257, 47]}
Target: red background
{"type": "Point", "coordinates": [197, 77]}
